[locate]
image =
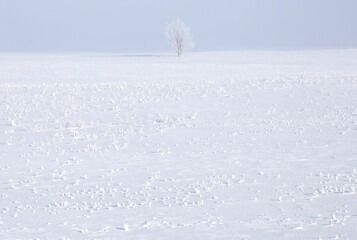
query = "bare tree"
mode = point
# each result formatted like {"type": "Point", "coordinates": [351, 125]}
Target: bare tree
{"type": "Point", "coordinates": [179, 36]}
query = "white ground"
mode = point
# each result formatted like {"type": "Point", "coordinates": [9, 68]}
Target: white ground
{"type": "Point", "coordinates": [226, 145]}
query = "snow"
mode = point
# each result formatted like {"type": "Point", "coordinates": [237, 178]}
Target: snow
{"type": "Point", "coordinates": [215, 145]}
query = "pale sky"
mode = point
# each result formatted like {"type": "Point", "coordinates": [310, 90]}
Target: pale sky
{"type": "Point", "coordinates": [137, 25]}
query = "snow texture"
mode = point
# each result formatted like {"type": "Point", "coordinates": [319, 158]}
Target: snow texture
{"type": "Point", "coordinates": [221, 145]}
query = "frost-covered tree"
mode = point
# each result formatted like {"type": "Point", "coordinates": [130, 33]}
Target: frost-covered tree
{"type": "Point", "coordinates": [179, 36]}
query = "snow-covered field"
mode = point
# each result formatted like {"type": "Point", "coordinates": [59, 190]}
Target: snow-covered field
{"type": "Point", "coordinates": [222, 145]}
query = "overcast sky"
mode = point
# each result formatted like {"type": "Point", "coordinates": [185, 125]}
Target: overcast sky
{"type": "Point", "coordinates": [137, 25]}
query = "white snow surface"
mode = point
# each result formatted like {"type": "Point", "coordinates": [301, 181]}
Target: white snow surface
{"type": "Point", "coordinates": [215, 145]}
